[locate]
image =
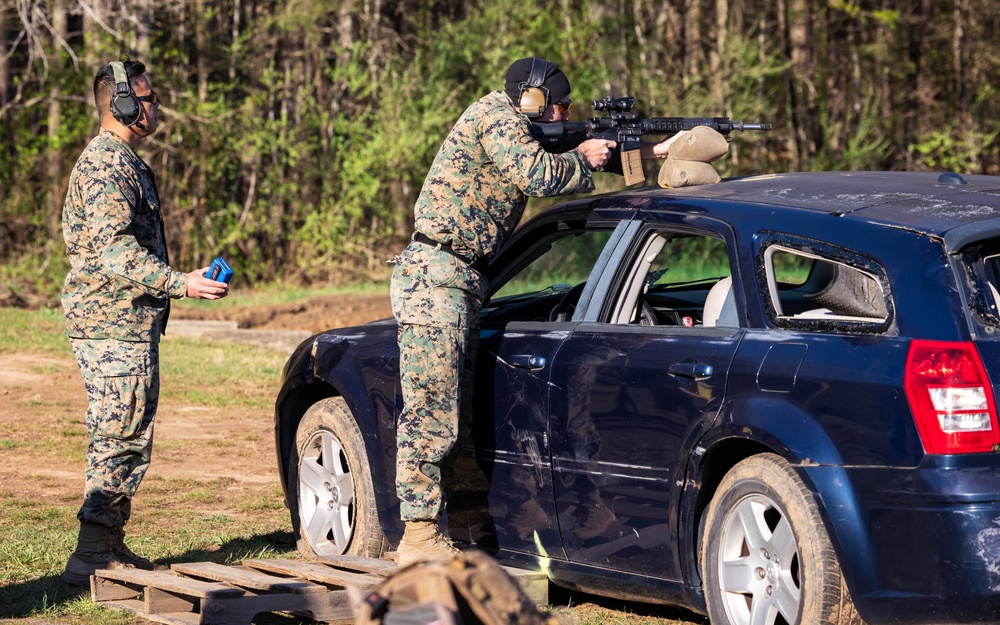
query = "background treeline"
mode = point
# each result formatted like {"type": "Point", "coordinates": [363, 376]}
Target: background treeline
{"type": "Point", "coordinates": [295, 134]}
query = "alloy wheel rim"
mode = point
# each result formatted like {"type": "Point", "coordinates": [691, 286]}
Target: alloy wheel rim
{"type": "Point", "coordinates": [326, 494]}
{"type": "Point", "coordinates": [759, 564]}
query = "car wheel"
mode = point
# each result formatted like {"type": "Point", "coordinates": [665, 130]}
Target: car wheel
{"type": "Point", "coordinates": [766, 557]}
{"type": "Point", "coordinates": [335, 498]}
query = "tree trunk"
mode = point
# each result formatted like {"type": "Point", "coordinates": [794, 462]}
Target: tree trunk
{"type": "Point", "coordinates": [201, 51]}
{"type": "Point", "coordinates": [802, 70]}
{"type": "Point", "coordinates": [719, 57]}
{"type": "Point", "coordinates": [694, 57]}
{"type": "Point", "coordinates": [54, 154]}
{"type": "Point", "coordinates": [4, 61]}
{"type": "Point", "coordinates": [144, 27]}
{"type": "Point", "coordinates": [839, 97]}
{"type": "Point", "coordinates": [960, 58]}
{"type": "Point", "coordinates": [921, 85]}
{"type": "Point", "coordinates": [234, 38]}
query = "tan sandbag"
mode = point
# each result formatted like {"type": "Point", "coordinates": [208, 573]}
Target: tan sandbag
{"type": "Point", "coordinates": [677, 173]}
{"type": "Point", "coordinates": [701, 143]}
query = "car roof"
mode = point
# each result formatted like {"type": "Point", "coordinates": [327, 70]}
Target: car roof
{"type": "Point", "coordinates": [958, 208]}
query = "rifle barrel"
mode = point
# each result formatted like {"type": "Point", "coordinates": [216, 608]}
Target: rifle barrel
{"type": "Point", "coordinates": [741, 126]}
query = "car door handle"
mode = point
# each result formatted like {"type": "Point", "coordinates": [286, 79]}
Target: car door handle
{"type": "Point", "coordinates": [527, 361]}
{"type": "Point", "coordinates": [694, 370]}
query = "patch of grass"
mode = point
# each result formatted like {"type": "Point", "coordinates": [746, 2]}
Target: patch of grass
{"type": "Point", "coordinates": [64, 444]}
{"type": "Point", "coordinates": [201, 495]}
{"type": "Point", "coordinates": [278, 294]}
{"type": "Point", "coordinates": [229, 375]}
{"type": "Point", "coordinates": [34, 331]}
{"type": "Point", "coordinates": [270, 500]}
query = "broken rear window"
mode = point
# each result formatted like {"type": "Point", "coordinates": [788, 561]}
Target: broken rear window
{"type": "Point", "coordinates": [982, 266]}
{"type": "Point", "coordinates": [813, 286]}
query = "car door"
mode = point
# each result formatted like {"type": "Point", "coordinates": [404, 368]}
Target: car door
{"type": "Point", "coordinates": [522, 329]}
{"type": "Point", "coordinates": [634, 384]}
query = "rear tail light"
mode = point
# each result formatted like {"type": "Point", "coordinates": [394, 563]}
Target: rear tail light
{"type": "Point", "coordinates": [951, 398]}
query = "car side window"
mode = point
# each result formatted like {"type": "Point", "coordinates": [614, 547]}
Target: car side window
{"type": "Point", "coordinates": [548, 286]}
{"type": "Point", "coordinates": [675, 279]}
{"type": "Point", "coordinates": [816, 286]}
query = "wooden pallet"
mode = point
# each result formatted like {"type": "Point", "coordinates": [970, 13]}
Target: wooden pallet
{"type": "Point", "coordinates": [206, 593]}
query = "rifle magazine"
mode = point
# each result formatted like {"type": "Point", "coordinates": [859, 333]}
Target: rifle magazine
{"type": "Point", "coordinates": [632, 167]}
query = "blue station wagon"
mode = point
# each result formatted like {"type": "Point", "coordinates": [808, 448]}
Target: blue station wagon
{"type": "Point", "coordinates": [769, 400]}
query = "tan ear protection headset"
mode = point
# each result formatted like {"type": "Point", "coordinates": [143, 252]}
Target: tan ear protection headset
{"type": "Point", "coordinates": [534, 97]}
{"type": "Point", "coordinates": [124, 104]}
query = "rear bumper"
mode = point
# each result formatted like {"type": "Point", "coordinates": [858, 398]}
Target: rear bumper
{"type": "Point", "coordinates": [920, 545]}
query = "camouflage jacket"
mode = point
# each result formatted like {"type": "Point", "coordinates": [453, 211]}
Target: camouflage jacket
{"type": "Point", "coordinates": [119, 279]}
{"type": "Point", "coordinates": [477, 187]}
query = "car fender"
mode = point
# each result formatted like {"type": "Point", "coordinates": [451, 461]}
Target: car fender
{"type": "Point", "coordinates": [770, 425]}
{"type": "Point", "coordinates": [328, 368]}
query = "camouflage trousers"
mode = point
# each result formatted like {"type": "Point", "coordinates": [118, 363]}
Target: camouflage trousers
{"type": "Point", "coordinates": [122, 379]}
{"type": "Point", "coordinates": [436, 300]}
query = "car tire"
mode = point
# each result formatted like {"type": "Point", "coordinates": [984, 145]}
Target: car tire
{"type": "Point", "coordinates": [765, 553]}
{"type": "Point", "coordinates": [335, 499]}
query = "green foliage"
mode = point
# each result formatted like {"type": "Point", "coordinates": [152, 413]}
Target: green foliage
{"type": "Point", "coordinates": [866, 144]}
{"type": "Point", "coordinates": [947, 150]}
{"type": "Point", "coordinates": [295, 136]}
{"type": "Point", "coordinates": [868, 147]}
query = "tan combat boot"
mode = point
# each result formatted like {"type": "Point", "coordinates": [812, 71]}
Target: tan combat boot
{"type": "Point", "coordinates": [93, 552]}
{"type": "Point", "coordinates": [125, 555]}
{"type": "Point", "coordinates": [422, 540]}
{"type": "Point", "coordinates": [530, 518]}
{"type": "Point", "coordinates": [594, 517]}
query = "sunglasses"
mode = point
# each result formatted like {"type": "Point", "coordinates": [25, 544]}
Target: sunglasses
{"type": "Point", "coordinates": [563, 107]}
{"type": "Point", "coordinates": [151, 97]}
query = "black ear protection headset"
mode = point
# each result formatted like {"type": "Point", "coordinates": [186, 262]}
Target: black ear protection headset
{"type": "Point", "coordinates": [124, 104]}
{"type": "Point", "coordinates": [534, 97]}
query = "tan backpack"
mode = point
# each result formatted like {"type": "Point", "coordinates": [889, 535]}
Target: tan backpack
{"type": "Point", "coordinates": [470, 589]}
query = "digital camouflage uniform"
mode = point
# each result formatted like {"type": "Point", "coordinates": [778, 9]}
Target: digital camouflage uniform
{"type": "Point", "coordinates": [115, 301]}
{"type": "Point", "coordinates": [472, 198]}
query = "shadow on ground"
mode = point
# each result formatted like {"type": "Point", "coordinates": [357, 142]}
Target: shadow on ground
{"type": "Point", "coordinates": [43, 596]}
{"type": "Point", "coordinates": [563, 597]}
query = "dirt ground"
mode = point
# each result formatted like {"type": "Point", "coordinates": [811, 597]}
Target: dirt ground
{"type": "Point", "coordinates": [226, 455]}
{"type": "Point", "coordinates": [313, 315]}
{"type": "Point", "coordinates": [44, 396]}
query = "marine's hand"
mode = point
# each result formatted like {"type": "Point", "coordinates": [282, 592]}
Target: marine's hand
{"type": "Point", "coordinates": [662, 149]}
{"type": "Point", "coordinates": [596, 152]}
{"type": "Point", "coordinates": [200, 287]}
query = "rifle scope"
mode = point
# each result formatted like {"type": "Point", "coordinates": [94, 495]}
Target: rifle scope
{"type": "Point", "coordinates": [617, 105]}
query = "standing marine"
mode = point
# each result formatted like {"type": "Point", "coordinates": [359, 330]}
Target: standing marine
{"type": "Point", "coordinates": [116, 300]}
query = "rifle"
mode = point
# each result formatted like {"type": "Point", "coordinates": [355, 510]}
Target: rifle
{"type": "Point", "coordinates": [627, 130]}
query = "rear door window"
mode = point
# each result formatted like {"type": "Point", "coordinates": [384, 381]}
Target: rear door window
{"type": "Point", "coordinates": [812, 285]}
